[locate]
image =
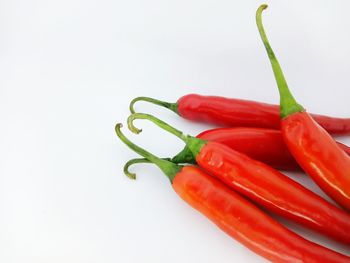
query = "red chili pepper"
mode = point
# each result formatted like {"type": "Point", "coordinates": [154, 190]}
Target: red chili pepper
{"type": "Point", "coordinates": [237, 217]}
{"type": "Point", "coordinates": [261, 144]}
{"type": "Point", "coordinates": [229, 112]}
{"type": "Point", "coordinates": [262, 184]}
{"type": "Point", "coordinates": [313, 148]}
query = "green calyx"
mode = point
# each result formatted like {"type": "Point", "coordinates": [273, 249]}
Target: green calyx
{"type": "Point", "coordinates": [185, 156]}
{"type": "Point", "coordinates": [171, 106]}
{"type": "Point", "coordinates": [169, 169]}
{"type": "Point", "coordinates": [194, 144]}
{"type": "Point", "coordinates": [288, 104]}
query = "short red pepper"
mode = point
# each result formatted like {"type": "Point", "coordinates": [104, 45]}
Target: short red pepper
{"type": "Point", "coordinates": [237, 217]}
{"type": "Point", "coordinates": [262, 184]}
{"type": "Point", "coordinates": [313, 148]}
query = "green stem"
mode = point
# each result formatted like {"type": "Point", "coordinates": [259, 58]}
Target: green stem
{"type": "Point", "coordinates": [169, 169]}
{"type": "Point", "coordinates": [171, 106]}
{"type": "Point", "coordinates": [135, 161]}
{"type": "Point", "coordinates": [287, 102]}
{"type": "Point", "coordinates": [131, 162]}
{"type": "Point", "coordinates": [193, 143]}
{"type": "Point", "coordinates": [155, 120]}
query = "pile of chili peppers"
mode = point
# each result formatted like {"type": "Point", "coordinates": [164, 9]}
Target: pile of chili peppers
{"type": "Point", "coordinates": [226, 173]}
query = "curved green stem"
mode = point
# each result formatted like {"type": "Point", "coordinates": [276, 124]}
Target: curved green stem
{"type": "Point", "coordinates": [135, 161]}
{"type": "Point", "coordinates": [169, 169]}
{"type": "Point", "coordinates": [288, 104]}
{"type": "Point", "coordinates": [155, 120]}
{"type": "Point", "coordinates": [193, 143]}
{"type": "Point", "coordinates": [171, 106]}
{"type": "Point", "coordinates": [131, 162]}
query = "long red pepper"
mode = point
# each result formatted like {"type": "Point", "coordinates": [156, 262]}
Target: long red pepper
{"type": "Point", "coordinates": [313, 148]}
{"type": "Point", "coordinates": [237, 217]}
{"type": "Point", "coordinates": [265, 145]}
{"type": "Point", "coordinates": [230, 112]}
{"type": "Point", "coordinates": [262, 184]}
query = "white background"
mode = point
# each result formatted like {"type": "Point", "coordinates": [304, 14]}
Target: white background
{"type": "Point", "coordinates": [68, 70]}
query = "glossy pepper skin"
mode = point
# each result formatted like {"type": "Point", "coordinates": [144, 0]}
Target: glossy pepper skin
{"type": "Point", "coordinates": [265, 145]}
{"type": "Point", "coordinates": [231, 112]}
{"type": "Point", "coordinates": [244, 113]}
{"type": "Point", "coordinates": [236, 216]}
{"type": "Point", "coordinates": [244, 222]}
{"type": "Point", "coordinates": [318, 155]}
{"type": "Point", "coordinates": [312, 147]}
{"type": "Point", "coordinates": [262, 184]}
{"type": "Point", "coordinates": [274, 191]}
